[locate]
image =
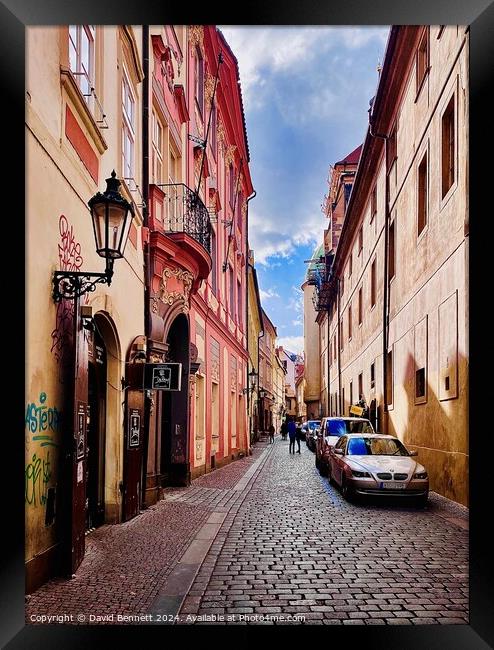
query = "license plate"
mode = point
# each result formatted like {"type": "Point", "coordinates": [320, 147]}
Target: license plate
{"type": "Point", "coordinates": [392, 485]}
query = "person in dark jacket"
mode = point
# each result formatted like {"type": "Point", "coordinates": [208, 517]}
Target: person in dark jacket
{"type": "Point", "coordinates": [283, 430]}
{"type": "Point", "coordinates": [298, 436]}
{"type": "Point", "coordinates": [271, 433]}
{"type": "Point", "coordinates": [292, 434]}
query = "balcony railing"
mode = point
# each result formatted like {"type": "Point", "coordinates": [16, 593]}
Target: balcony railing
{"type": "Point", "coordinates": [319, 277]}
{"type": "Point", "coordinates": [183, 211]}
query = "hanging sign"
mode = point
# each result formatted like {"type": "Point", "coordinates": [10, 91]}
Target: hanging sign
{"type": "Point", "coordinates": [356, 410]}
{"type": "Point", "coordinates": [163, 376]}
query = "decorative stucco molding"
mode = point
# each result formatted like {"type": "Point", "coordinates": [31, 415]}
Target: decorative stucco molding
{"type": "Point", "coordinates": [170, 297]}
{"type": "Point", "coordinates": [196, 38]}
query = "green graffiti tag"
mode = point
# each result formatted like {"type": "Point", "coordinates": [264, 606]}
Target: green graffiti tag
{"type": "Point", "coordinates": [42, 418]}
{"type": "Point", "coordinates": [38, 474]}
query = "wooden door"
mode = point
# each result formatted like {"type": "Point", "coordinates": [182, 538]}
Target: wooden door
{"type": "Point", "coordinates": [134, 421]}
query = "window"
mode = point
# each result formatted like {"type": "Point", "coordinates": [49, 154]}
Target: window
{"type": "Point", "coordinates": [239, 303]}
{"type": "Point", "coordinates": [214, 262]}
{"type": "Point", "coordinates": [422, 195]}
{"type": "Point", "coordinates": [334, 346]}
{"type": "Point", "coordinates": [360, 239]}
{"type": "Point", "coordinates": [232, 293]}
{"type": "Point", "coordinates": [239, 210]}
{"type": "Point", "coordinates": [372, 376]}
{"type": "Point", "coordinates": [342, 283]}
{"type": "Point", "coordinates": [350, 265]}
{"type": "Point", "coordinates": [389, 378]}
{"type": "Point", "coordinates": [81, 57]}
{"type": "Point", "coordinates": [420, 382]}
{"type": "Point", "coordinates": [157, 160]}
{"type": "Point", "coordinates": [213, 129]}
{"type": "Point", "coordinates": [392, 254]}
{"type": "Point", "coordinates": [340, 333]}
{"type": "Point", "coordinates": [373, 203]}
{"type": "Point", "coordinates": [392, 148]}
{"type": "Point", "coordinates": [347, 190]}
{"type": "Point", "coordinates": [349, 322]}
{"type": "Point", "coordinates": [448, 147]}
{"type": "Point", "coordinates": [351, 393]}
{"type": "Point", "coordinates": [373, 283]}
{"type": "Point", "coordinates": [422, 59]}
{"type": "Point", "coordinates": [231, 176]}
{"type": "Point", "coordinates": [128, 128]}
{"type": "Point", "coordinates": [360, 317]}
{"type": "Point", "coordinates": [360, 386]}
{"type": "Point", "coordinates": [199, 90]}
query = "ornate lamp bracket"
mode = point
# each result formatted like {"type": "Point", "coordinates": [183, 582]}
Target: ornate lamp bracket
{"type": "Point", "coordinates": [68, 285]}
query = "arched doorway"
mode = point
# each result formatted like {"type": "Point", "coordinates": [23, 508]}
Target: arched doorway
{"type": "Point", "coordinates": [96, 432]}
{"type": "Point", "coordinates": [107, 471]}
{"type": "Point", "coordinates": [174, 415]}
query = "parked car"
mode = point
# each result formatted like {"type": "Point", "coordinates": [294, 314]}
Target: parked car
{"type": "Point", "coordinates": [312, 427]}
{"type": "Point", "coordinates": [377, 464]}
{"type": "Point", "coordinates": [332, 428]}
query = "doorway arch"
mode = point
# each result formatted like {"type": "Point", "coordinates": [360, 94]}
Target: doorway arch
{"type": "Point", "coordinates": [106, 330]}
{"type": "Point", "coordinates": [174, 411]}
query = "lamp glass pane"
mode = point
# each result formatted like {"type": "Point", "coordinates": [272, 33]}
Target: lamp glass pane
{"type": "Point", "coordinates": [98, 217]}
{"type": "Point", "coordinates": [116, 222]}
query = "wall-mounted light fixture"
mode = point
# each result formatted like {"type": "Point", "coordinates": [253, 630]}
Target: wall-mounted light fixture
{"type": "Point", "coordinates": [112, 216]}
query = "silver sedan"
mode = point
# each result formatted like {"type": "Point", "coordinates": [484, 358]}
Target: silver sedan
{"type": "Point", "coordinates": [377, 464]}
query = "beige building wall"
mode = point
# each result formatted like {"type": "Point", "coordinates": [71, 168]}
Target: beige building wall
{"type": "Point", "coordinates": [428, 309]}
{"type": "Point", "coordinates": [59, 234]}
{"type": "Point", "coordinates": [312, 392]}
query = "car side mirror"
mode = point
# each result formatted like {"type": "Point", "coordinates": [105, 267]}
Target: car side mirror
{"type": "Point", "coordinates": [413, 453]}
{"type": "Point", "coordinates": [338, 452]}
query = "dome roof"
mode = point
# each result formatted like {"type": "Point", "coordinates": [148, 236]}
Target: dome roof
{"type": "Point", "coordinates": [318, 252]}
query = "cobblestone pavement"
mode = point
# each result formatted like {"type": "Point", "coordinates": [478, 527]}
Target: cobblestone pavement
{"type": "Point", "coordinates": [125, 565]}
{"type": "Point", "coordinates": [292, 546]}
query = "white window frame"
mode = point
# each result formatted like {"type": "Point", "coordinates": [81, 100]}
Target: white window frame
{"type": "Point", "coordinates": [128, 127]}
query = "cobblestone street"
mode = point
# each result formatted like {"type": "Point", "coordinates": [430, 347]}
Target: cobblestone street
{"type": "Point", "coordinates": [295, 547]}
{"type": "Point", "coordinates": [282, 543]}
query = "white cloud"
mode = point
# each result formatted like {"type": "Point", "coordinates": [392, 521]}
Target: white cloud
{"type": "Point", "coordinates": [292, 343]}
{"type": "Point", "coordinates": [271, 237]}
{"type": "Point", "coordinates": [269, 293]}
{"type": "Point", "coordinates": [262, 50]}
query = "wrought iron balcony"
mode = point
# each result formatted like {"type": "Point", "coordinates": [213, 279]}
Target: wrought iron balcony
{"type": "Point", "coordinates": [319, 277]}
{"type": "Point", "coordinates": [183, 211]}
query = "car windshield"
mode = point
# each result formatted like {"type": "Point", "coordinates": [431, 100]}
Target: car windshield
{"type": "Point", "coordinates": [313, 424]}
{"type": "Point", "coordinates": [375, 447]}
{"type": "Point", "coordinates": [336, 427]}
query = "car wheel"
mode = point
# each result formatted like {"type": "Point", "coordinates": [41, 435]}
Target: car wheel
{"type": "Point", "coordinates": [346, 491]}
{"type": "Point", "coordinates": [330, 476]}
{"type": "Point", "coordinates": [422, 501]}
{"type": "Point", "coordinates": [323, 469]}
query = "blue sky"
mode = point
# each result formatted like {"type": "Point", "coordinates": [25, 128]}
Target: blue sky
{"type": "Point", "coordinates": [306, 92]}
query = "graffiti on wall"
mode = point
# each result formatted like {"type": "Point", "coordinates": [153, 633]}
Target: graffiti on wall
{"type": "Point", "coordinates": [42, 422]}
{"type": "Point", "coordinates": [70, 259]}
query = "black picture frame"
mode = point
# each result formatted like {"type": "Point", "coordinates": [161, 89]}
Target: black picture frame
{"type": "Point", "coordinates": [479, 15]}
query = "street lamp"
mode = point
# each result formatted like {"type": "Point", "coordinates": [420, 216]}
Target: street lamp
{"type": "Point", "coordinates": [112, 216]}
{"type": "Point", "coordinates": [253, 380]}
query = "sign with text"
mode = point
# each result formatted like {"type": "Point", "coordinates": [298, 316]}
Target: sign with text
{"type": "Point", "coordinates": [163, 376]}
{"type": "Point", "coordinates": [134, 427]}
{"type": "Point", "coordinates": [356, 410]}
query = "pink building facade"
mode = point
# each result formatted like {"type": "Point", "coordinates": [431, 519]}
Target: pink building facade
{"type": "Point", "coordinates": [197, 255]}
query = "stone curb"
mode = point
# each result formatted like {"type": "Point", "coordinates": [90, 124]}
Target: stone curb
{"type": "Point", "coordinates": [168, 602]}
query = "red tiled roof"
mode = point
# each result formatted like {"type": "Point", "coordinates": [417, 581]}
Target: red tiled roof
{"type": "Point", "coordinates": [352, 158]}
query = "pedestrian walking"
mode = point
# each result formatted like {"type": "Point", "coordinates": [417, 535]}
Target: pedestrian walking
{"type": "Point", "coordinates": [271, 434]}
{"type": "Point", "coordinates": [292, 434]}
{"type": "Point", "coordinates": [283, 430]}
{"type": "Point", "coordinates": [298, 436]}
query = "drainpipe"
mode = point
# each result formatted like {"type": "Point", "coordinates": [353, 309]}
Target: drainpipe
{"type": "Point", "coordinates": [253, 195]}
{"type": "Point", "coordinates": [385, 316]}
{"type": "Point", "coordinates": [342, 406]}
{"type": "Point", "coordinates": [145, 212]}
{"type": "Point", "coordinates": [328, 348]}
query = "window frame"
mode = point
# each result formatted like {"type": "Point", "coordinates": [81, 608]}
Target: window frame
{"type": "Point", "coordinates": [128, 123]}
{"type": "Point", "coordinates": [420, 195]}
{"type": "Point", "coordinates": [422, 67]}
{"type": "Point", "coordinates": [450, 109]}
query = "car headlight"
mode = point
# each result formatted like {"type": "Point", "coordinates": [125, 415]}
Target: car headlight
{"type": "Point", "coordinates": [420, 475]}
{"type": "Point", "coordinates": [360, 474]}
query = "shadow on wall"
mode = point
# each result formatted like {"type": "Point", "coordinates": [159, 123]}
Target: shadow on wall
{"type": "Point", "coordinates": [430, 414]}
